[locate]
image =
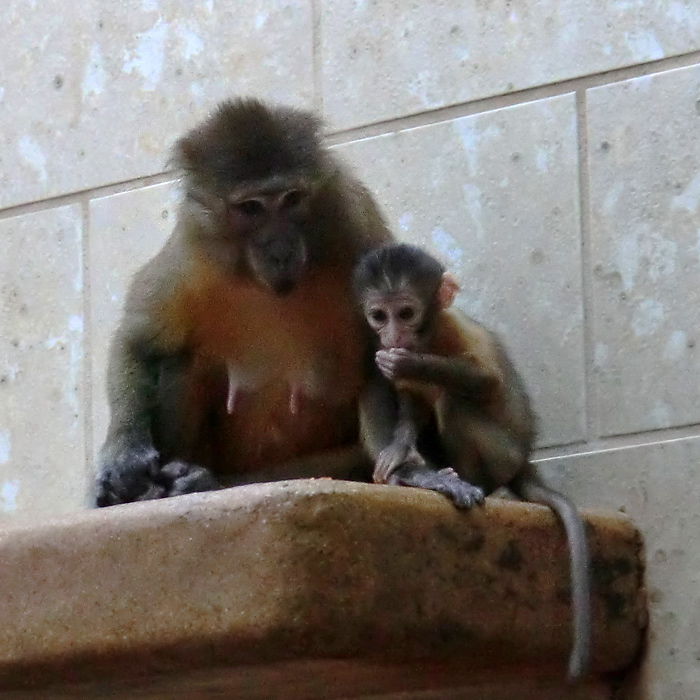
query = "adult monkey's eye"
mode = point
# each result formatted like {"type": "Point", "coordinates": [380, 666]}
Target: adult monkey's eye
{"type": "Point", "coordinates": [251, 207]}
{"type": "Point", "coordinates": [406, 313]}
{"type": "Point", "coordinates": [378, 315]}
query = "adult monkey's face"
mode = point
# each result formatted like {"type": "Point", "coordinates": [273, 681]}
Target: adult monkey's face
{"type": "Point", "coordinates": [254, 172]}
{"type": "Point", "coordinates": [271, 228]}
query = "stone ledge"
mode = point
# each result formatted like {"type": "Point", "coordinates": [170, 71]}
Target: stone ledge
{"type": "Point", "coordinates": [305, 572]}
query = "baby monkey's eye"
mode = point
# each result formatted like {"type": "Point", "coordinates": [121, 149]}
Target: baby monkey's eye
{"type": "Point", "coordinates": [378, 315]}
{"type": "Point", "coordinates": [406, 313]}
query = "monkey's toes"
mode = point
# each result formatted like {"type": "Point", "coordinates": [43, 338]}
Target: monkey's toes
{"type": "Point", "coordinates": [466, 496]}
{"type": "Point", "coordinates": [182, 477]}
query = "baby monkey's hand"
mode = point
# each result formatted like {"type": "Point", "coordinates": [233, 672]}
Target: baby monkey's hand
{"type": "Point", "coordinates": [396, 363]}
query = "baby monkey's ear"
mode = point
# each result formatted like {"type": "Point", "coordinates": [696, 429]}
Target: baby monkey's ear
{"type": "Point", "coordinates": [447, 291]}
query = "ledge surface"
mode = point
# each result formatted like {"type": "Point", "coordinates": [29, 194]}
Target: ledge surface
{"type": "Point", "coordinates": [306, 572]}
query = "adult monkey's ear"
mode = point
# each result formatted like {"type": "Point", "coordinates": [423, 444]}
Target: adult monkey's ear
{"type": "Point", "coordinates": [447, 291]}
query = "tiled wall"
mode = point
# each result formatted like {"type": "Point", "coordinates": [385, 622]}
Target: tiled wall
{"type": "Point", "coordinates": [547, 150]}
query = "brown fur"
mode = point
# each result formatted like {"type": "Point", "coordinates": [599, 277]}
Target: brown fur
{"type": "Point", "coordinates": [216, 370]}
{"type": "Point", "coordinates": [457, 336]}
{"type": "Point", "coordinates": [482, 420]}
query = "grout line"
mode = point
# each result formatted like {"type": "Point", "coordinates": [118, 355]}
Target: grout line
{"type": "Point", "coordinates": [85, 195]}
{"type": "Point", "coordinates": [619, 442]}
{"type": "Point", "coordinates": [87, 345]}
{"type": "Point", "coordinates": [388, 126]}
{"type": "Point", "coordinates": [492, 102]}
{"type": "Point", "coordinates": [594, 443]}
{"type": "Point", "coordinates": [316, 58]}
{"type": "Point", "coordinates": [590, 386]}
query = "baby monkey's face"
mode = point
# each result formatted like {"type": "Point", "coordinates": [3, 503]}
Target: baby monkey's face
{"type": "Point", "coordinates": [396, 317]}
{"type": "Point", "coordinates": [401, 290]}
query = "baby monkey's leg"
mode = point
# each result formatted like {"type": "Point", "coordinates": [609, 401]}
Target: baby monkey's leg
{"type": "Point", "coordinates": [479, 448]}
{"type": "Point", "coordinates": [413, 416]}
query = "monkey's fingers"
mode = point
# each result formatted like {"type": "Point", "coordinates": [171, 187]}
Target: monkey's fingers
{"type": "Point", "coordinates": [153, 492]}
{"type": "Point", "coordinates": [388, 374]}
{"type": "Point", "coordinates": [398, 353]}
{"type": "Point", "coordinates": [385, 465]}
{"type": "Point", "coordinates": [398, 457]}
{"type": "Point", "coordinates": [128, 476]}
{"type": "Point", "coordinates": [382, 472]}
{"type": "Point", "coordinates": [187, 478]}
{"type": "Point", "coordinates": [110, 495]}
{"type": "Point", "coordinates": [393, 355]}
{"type": "Point", "coordinates": [398, 362]}
{"type": "Point", "coordinates": [387, 367]}
{"type": "Point", "coordinates": [104, 495]}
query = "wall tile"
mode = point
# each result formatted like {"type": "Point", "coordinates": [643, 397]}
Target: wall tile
{"type": "Point", "coordinates": [644, 149]}
{"type": "Point", "coordinates": [42, 447]}
{"type": "Point", "coordinates": [98, 95]}
{"type": "Point", "coordinates": [495, 195]}
{"type": "Point", "coordinates": [658, 486]}
{"type": "Point", "coordinates": [126, 230]}
{"type": "Point", "coordinates": [383, 58]}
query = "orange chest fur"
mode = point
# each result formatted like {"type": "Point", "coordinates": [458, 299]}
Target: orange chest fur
{"type": "Point", "coordinates": [310, 337]}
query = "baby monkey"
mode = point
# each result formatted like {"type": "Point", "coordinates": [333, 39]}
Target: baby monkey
{"type": "Point", "coordinates": [448, 372]}
{"type": "Point", "coordinates": [458, 420]}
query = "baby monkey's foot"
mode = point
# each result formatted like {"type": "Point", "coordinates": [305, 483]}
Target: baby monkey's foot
{"type": "Point", "coordinates": [445, 481]}
{"type": "Point", "coordinates": [463, 494]}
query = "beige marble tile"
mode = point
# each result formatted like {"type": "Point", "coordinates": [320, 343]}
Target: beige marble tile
{"type": "Point", "coordinates": [644, 149]}
{"type": "Point", "coordinates": [658, 486]}
{"type": "Point", "coordinates": [98, 94]}
{"type": "Point", "coordinates": [126, 230]}
{"type": "Point", "coordinates": [385, 58]}
{"type": "Point", "coordinates": [42, 448]}
{"type": "Point", "coordinates": [495, 196]}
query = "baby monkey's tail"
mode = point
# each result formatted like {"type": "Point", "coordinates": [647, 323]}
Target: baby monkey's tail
{"type": "Point", "coordinates": [529, 487]}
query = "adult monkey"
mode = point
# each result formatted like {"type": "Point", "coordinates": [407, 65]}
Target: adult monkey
{"type": "Point", "coordinates": [240, 346]}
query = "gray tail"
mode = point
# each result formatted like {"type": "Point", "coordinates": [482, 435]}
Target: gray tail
{"type": "Point", "coordinates": [528, 487]}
